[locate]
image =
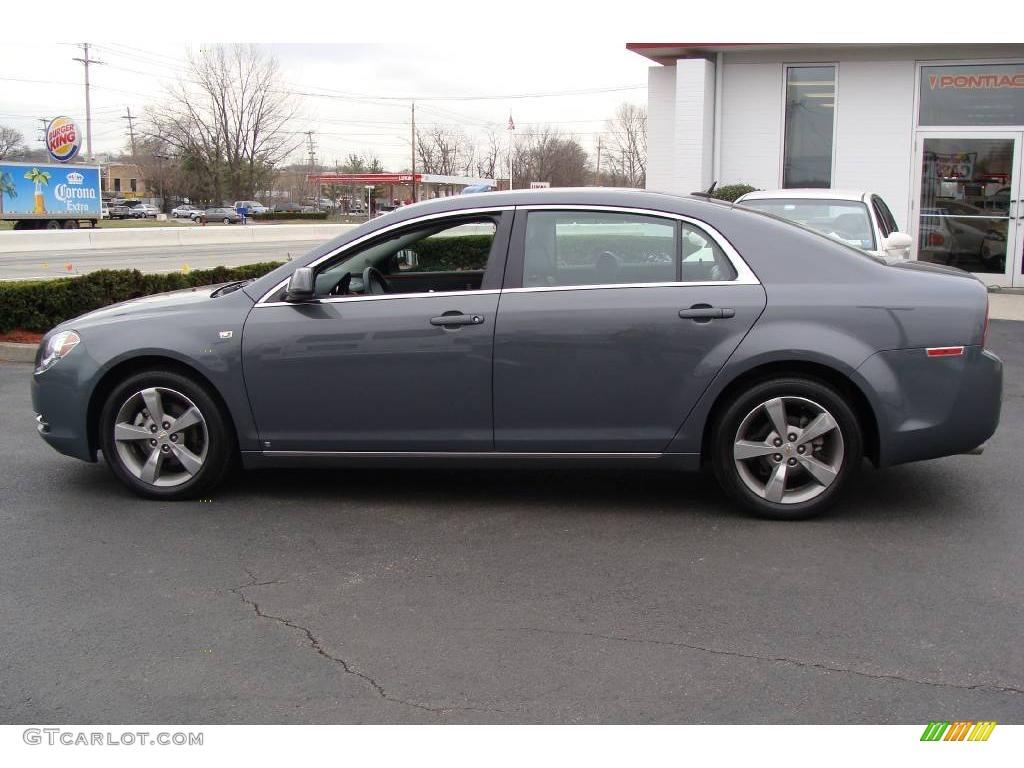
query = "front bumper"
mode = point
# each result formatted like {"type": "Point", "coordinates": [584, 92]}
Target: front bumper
{"type": "Point", "coordinates": [929, 407]}
{"type": "Point", "coordinates": [61, 407]}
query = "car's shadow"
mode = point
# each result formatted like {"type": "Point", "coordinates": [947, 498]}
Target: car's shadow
{"type": "Point", "coordinates": [915, 491]}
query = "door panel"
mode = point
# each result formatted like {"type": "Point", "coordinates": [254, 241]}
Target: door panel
{"type": "Point", "coordinates": [372, 374]}
{"type": "Point", "coordinates": [609, 369]}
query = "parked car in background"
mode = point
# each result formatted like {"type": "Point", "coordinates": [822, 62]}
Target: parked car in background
{"type": "Point", "coordinates": [860, 219]}
{"type": "Point", "coordinates": [119, 211]}
{"type": "Point", "coordinates": [184, 211]}
{"type": "Point", "coordinates": [606, 328]}
{"type": "Point", "coordinates": [224, 215]}
{"type": "Point", "coordinates": [964, 236]}
{"type": "Point", "coordinates": [286, 206]}
{"type": "Point", "coordinates": [253, 208]}
{"type": "Point", "coordinates": [144, 211]}
{"type": "Point", "coordinates": [104, 211]}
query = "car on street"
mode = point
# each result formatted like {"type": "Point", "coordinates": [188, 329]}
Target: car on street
{"type": "Point", "coordinates": [184, 211]}
{"type": "Point", "coordinates": [861, 219]}
{"type": "Point", "coordinates": [224, 215]}
{"type": "Point", "coordinates": [540, 328]}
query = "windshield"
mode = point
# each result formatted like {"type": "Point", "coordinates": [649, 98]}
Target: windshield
{"type": "Point", "coordinates": [844, 220]}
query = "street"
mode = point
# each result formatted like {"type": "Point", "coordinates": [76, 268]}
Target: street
{"type": "Point", "coordinates": [391, 596]}
{"type": "Point", "coordinates": [36, 265]}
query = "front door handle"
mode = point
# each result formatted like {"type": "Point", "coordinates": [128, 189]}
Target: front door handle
{"type": "Point", "coordinates": [703, 313]}
{"type": "Point", "coordinates": [455, 319]}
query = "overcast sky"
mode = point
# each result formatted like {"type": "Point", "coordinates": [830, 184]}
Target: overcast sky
{"type": "Point", "coordinates": [359, 115]}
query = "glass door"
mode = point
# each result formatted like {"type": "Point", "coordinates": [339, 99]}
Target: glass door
{"type": "Point", "coordinates": [968, 203]}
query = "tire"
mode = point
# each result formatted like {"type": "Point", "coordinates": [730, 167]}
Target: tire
{"type": "Point", "coordinates": [70, 224]}
{"type": "Point", "coordinates": [748, 460]}
{"type": "Point", "coordinates": [227, 220]}
{"type": "Point", "coordinates": [207, 447]}
{"type": "Point", "coordinates": [52, 224]}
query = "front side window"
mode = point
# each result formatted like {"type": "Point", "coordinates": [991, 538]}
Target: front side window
{"type": "Point", "coordinates": [845, 220]}
{"type": "Point", "coordinates": [810, 127]}
{"type": "Point", "coordinates": [577, 248]}
{"type": "Point", "coordinates": [439, 257]}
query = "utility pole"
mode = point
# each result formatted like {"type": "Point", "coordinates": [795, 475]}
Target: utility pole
{"type": "Point", "coordinates": [88, 112]}
{"type": "Point", "coordinates": [44, 123]}
{"type": "Point", "coordinates": [312, 164]}
{"type": "Point", "coordinates": [599, 161]}
{"type": "Point", "coordinates": [414, 198]}
{"type": "Point", "coordinates": [131, 129]}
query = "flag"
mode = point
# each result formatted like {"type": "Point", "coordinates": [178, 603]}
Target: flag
{"type": "Point", "coordinates": [511, 125]}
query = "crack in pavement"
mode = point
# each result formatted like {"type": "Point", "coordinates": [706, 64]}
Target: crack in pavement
{"type": "Point", "coordinates": [780, 659]}
{"type": "Point", "coordinates": [317, 646]}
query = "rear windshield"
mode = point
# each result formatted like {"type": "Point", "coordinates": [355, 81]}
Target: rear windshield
{"type": "Point", "coordinates": [844, 220]}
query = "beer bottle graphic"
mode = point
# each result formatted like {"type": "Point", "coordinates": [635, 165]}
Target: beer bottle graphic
{"type": "Point", "coordinates": [40, 179]}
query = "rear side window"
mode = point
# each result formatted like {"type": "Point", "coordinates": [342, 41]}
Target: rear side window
{"type": "Point", "coordinates": [568, 248]}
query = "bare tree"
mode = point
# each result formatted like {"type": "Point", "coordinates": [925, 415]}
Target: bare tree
{"type": "Point", "coordinates": [492, 149]}
{"type": "Point", "coordinates": [627, 146]}
{"type": "Point", "coordinates": [230, 117]}
{"type": "Point", "coordinates": [12, 142]}
{"type": "Point", "coordinates": [445, 151]}
{"type": "Point", "coordinates": [546, 154]}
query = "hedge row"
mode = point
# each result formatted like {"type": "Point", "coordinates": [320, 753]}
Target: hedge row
{"type": "Point", "coordinates": [38, 305]}
{"type": "Point", "coordinates": [282, 215]}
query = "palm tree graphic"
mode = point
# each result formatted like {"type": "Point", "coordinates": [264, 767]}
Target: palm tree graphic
{"type": "Point", "coordinates": [40, 178]}
{"type": "Point", "coordinates": [6, 188]}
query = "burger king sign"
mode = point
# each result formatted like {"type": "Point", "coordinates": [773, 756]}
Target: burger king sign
{"type": "Point", "coordinates": [63, 139]}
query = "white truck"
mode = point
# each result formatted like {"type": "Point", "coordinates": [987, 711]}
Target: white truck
{"type": "Point", "coordinates": [49, 195]}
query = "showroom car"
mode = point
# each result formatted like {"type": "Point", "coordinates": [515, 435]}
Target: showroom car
{"type": "Point", "coordinates": [540, 328]}
{"type": "Point", "coordinates": [861, 219]}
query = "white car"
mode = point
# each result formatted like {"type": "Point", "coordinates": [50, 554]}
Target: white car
{"type": "Point", "coordinates": [184, 211]}
{"type": "Point", "coordinates": [860, 219]}
{"type": "Point", "coordinates": [253, 207]}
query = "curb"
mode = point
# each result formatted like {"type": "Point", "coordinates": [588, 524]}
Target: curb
{"type": "Point", "coordinates": [17, 353]}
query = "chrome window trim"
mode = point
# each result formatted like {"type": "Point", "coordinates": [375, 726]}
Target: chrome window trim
{"type": "Point", "coordinates": [379, 297]}
{"type": "Point", "coordinates": [264, 300]}
{"type": "Point", "coordinates": [744, 274]}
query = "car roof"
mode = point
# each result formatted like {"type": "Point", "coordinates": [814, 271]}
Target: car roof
{"type": "Point", "coordinates": [806, 194]}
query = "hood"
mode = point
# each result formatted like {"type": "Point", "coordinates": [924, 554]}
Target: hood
{"type": "Point", "coordinates": [146, 306]}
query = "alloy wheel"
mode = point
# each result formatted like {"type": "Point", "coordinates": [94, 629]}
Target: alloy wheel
{"type": "Point", "coordinates": [788, 450]}
{"type": "Point", "coordinates": [161, 437]}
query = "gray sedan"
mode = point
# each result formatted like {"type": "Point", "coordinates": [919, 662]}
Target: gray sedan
{"type": "Point", "coordinates": [539, 328]}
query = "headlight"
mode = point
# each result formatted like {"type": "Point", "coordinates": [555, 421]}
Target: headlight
{"type": "Point", "coordinates": [57, 346]}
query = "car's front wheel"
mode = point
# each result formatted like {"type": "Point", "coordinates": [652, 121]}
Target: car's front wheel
{"type": "Point", "coordinates": [165, 437]}
{"type": "Point", "coordinates": [786, 448]}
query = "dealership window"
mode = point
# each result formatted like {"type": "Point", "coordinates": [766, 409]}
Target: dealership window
{"type": "Point", "coordinates": [810, 126]}
{"type": "Point", "coordinates": [134, 184]}
{"type": "Point", "coordinates": [117, 185]}
{"type": "Point", "coordinates": [972, 94]}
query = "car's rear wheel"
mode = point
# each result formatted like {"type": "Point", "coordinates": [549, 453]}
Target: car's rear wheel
{"type": "Point", "coordinates": [165, 437]}
{"type": "Point", "coordinates": [787, 447]}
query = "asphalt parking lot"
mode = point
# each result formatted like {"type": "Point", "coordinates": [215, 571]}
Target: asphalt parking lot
{"type": "Point", "coordinates": [564, 597]}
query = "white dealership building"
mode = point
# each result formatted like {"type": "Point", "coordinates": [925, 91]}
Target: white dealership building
{"type": "Point", "coordinates": [935, 130]}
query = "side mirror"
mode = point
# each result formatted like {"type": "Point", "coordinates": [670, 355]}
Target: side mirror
{"type": "Point", "coordinates": [898, 241]}
{"type": "Point", "coordinates": [300, 285]}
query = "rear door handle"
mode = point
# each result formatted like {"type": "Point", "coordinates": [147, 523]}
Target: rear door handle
{"type": "Point", "coordinates": [704, 313]}
{"type": "Point", "coordinates": [455, 319]}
